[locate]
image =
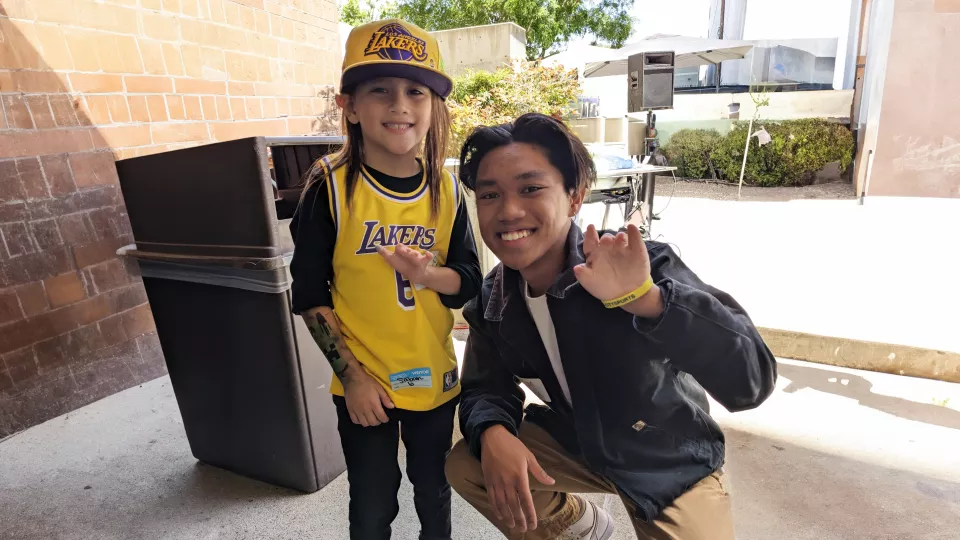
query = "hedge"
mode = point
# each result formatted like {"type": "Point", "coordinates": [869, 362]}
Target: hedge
{"type": "Point", "coordinates": [689, 151]}
{"type": "Point", "coordinates": [797, 151]}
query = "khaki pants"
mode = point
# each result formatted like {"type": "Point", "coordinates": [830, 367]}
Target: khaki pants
{"type": "Point", "coordinates": [702, 513]}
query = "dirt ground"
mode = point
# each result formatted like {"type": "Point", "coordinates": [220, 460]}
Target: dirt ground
{"type": "Point", "coordinates": [700, 189]}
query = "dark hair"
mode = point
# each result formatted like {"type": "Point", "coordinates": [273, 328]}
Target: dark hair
{"type": "Point", "coordinates": [351, 154]}
{"type": "Point", "coordinates": [562, 147]}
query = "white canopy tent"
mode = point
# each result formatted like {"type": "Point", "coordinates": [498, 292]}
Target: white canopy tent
{"type": "Point", "coordinates": [688, 52]}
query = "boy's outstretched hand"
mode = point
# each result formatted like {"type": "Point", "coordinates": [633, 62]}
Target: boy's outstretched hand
{"type": "Point", "coordinates": [617, 265]}
{"type": "Point", "coordinates": [507, 467]}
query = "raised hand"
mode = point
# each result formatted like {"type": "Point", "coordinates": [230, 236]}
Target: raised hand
{"type": "Point", "coordinates": [617, 265]}
{"type": "Point", "coordinates": [411, 263]}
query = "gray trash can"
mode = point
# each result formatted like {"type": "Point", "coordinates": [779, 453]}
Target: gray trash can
{"type": "Point", "coordinates": [251, 385]}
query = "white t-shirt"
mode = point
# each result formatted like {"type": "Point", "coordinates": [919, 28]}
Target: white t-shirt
{"type": "Point", "coordinates": [548, 334]}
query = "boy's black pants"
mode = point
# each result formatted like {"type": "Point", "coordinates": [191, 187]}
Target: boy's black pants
{"type": "Point", "coordinates": [374, 473]}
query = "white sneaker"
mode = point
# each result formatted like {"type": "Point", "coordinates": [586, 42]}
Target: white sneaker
{"type": "Point", "coordinates": [595, 524]}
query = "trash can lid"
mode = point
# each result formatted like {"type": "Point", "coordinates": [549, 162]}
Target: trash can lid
{"type": "Point", "coordinates": [252, 263]}
{"type": "Point", "coordinates": [259, 275]}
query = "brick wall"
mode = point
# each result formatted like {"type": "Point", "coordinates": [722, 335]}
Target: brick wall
{"type": "Point", "coordinates": [83, 83]}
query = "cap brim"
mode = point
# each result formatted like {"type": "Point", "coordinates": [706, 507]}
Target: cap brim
{"type": "Point", "coordinates": [433, 79]}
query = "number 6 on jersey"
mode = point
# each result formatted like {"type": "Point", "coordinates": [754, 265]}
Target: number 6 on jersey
{"type": "Point", "coordinates": [405, 297]}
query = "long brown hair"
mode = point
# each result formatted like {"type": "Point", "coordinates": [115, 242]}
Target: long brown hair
{"type": "Point", "coordinates": [433, 152]}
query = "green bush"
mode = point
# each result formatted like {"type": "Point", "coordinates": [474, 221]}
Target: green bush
{"type": "Point", "coordinates": [476, 84]}
{"type": "Point", "coordinates": [820, 142]}
{"type": "Point", "coordinates": [482, 98]}
{"type": "Point", "coordinates": [798, 149]}
{"type": "Point", "coordinates": [689, 151]}
{"type": "Point", "coordinates": [768, 165]}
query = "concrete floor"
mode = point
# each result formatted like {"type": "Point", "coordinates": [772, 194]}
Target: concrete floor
{"type": "Point", "coordinates": [835, 454]}
{"type": "Point", "coordinates": [882, 272]}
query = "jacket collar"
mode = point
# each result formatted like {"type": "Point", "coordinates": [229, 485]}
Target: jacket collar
{"type": "Point", "coordinates": [507, 282]}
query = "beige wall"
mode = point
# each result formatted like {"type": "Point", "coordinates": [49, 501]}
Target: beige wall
{"type": "Point", "coordinates": [85, 82]}
{"type": "Point", "coordinates": [917, 147]}
{"type": "Point", "coordinates": [783, 105]}
{"type": "Point", "coordinates": [590, 130]}
{"type": "Point", "coordinates": [481, 47]}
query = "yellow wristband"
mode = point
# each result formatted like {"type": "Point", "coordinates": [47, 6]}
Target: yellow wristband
{"type": "Point", "coordinates": [630, 296]}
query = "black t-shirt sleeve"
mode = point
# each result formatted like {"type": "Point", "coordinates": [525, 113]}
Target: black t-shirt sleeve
{"type": "Point", "coordinates": [314, 235]}
{"type": "Point", "coordinates": [462, 258]}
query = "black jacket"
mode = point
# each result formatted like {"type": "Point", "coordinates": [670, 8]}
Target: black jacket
{"type": "Point", "coordinates": [640, 416]}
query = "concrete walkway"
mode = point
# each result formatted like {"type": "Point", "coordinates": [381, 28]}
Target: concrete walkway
{"type": "Point", "coordinates": [835, 454]}
{"type": "Point", "coordinates": [830, 279]}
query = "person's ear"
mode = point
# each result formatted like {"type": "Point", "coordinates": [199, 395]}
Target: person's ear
{"type": "Point", "coordinates": [576, 201]}
{"type": "Point", "coordinates": [345, 102]}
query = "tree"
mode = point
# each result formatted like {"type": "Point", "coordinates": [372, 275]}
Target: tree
{"type": "Point", "coordinates": [549, 24]}
{"type": "Point", "coordinates": [354, 14]}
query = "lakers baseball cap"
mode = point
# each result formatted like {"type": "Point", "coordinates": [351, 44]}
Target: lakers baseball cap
{"type": "Point", "coordinates": [394, 48]}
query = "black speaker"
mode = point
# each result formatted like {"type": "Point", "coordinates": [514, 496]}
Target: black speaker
{"type": "Point", "coordinates": [650, 81]}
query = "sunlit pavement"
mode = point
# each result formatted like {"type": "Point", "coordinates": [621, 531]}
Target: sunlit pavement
{"type": "Point", "coordinates": [834, 454]}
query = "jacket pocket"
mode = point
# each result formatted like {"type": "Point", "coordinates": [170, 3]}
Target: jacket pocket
{"type": "Point", "coordinates": [663, 437]}
{"type": "Point", "coordinates": [645, 428]}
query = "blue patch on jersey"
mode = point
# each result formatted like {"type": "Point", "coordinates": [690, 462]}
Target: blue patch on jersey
{"type": "Point", "coordinates": [412, 378]}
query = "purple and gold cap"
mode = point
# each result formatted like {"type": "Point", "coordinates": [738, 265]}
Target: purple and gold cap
{"type": "Point", "coordinates": [394, 48]}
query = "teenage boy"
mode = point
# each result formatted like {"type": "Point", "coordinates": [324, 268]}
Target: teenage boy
{"type": "Point", "coordinates": [618, 338]}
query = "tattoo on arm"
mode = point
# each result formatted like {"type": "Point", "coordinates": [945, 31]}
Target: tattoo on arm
{"type": "Point", "coordinates": [329, 341]}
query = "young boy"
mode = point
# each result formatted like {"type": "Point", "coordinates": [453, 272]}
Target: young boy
{"type": "Point", "coordinates": [617, 337]}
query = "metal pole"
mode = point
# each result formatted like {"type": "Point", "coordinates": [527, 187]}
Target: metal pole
{"type": "Point", "coordinates": [746, 148]}
{"type": "Point", "coordinates": [649, 186]}
{"type": "Point", "coordinates": [866, 181]}
{"type": "Point", "coordinates": [723, 17]}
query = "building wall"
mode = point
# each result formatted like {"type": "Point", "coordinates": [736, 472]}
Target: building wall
{"type": "Point", "coordinates": [869, 101]}
{"type": "Point", "coordinates": [804, 61]}
{"type": "Point", "coordinates": [734, 16]}
{"type": "Point", "coordinates": [486, 48]}
{"type": "Point", "coordinates": [792, 19]}
{"type": "Point", "coordinates": [83, 82]}
{"type": "Point", "coordinates": [846, 73]}
{"type": "Point", "coordinates": [795, 19]}
{"type": "Point", "coordinates": [710, 111]}
{"type": "Point", "coordinates": [612, 92]}
{"type": "Point", "coordinates": [917, 146]}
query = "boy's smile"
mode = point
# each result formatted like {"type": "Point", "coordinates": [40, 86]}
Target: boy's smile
{"type": "Point", "coordinates": [511, 237]}
{"type": "Point", "coordinates": [524, 211]}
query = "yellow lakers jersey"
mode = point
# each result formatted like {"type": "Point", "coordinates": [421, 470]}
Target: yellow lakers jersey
{"type": "Point", "coordinates": [399, 331]}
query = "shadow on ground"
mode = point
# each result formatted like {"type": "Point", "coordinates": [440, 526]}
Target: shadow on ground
{"type": "Point", "coordinates": [860, 389]}
{"type": "Point", "coordinates": [122, 468]}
